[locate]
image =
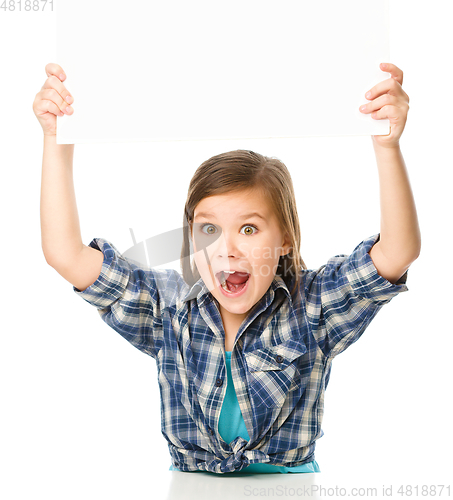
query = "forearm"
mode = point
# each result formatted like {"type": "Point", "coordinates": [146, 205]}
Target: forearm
{"type": "Point", "coordinates": [400, 233]}
{"type": "Point", "coordinates": [60, 228]}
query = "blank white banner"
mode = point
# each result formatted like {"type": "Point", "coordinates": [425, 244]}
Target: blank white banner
{"type": "Point", "coordinates": [147, 70]}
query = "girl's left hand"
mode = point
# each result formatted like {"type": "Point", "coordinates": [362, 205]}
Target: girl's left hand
{"type": "Point", "coordinates": [388, 100]}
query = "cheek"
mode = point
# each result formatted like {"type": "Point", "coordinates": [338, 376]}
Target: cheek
{"type": "Point", "coordinates": [265, 255]}
{"type": "Point", "coordinates": [256, 251]}
{"type": "Point", "coordinates": [200, 262]}
{"type": "Point", "coordinates": [265, 271]}
{"type": "Point", "coordinates": [197, 256]}
{"type": "Point", "coordinates": [265, 263]}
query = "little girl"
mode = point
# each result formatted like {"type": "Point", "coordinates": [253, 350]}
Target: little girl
{"type": "Point", "coordinates": [245, 337]}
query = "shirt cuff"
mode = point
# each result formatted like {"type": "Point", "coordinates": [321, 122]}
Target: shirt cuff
{"type": "Point", "coordinates": [364, 277]}
{"type": "Point", "coordinates": [112, 280]}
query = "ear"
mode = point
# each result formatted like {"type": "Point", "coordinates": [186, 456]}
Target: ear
{"type": "Point", "coordinates": [286, 245]}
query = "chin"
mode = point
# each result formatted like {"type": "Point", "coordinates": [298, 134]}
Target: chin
{"type": "Point", "coordinates": [238, 310]}
{"type": "Point", "coordinates": [242, 308]}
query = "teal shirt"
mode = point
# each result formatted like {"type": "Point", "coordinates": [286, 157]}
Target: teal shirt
{"type": "Point", "coordinates": [231, 425]}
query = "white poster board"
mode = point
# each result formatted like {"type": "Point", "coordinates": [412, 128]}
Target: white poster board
{"type": "Point", "coordinates": [147, 70]}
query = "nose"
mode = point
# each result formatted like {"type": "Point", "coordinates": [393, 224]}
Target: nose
{"type": "Point", "coordinates": [228, 245]}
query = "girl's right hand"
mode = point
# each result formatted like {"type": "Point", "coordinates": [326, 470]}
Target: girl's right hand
{"type": "Point", "coordinates": [53, 99]}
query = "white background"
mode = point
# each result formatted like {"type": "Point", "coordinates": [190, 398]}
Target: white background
{"type": "Point", "coordinates": [80, 414]}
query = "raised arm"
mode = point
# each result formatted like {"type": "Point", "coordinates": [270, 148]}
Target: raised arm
{"type": "Point", "coordinates": [400, 240]}
{"type": "Point", "coordinates": [60, 228]}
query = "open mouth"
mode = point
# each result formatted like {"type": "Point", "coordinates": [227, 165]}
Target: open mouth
{"type": "Point", "coordinates": [232, 282]}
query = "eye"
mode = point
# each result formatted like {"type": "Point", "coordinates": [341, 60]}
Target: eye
{"type": "Point", "coordinates": [209, 230]}
{"type": "Point", "coordinates": [249, 226]}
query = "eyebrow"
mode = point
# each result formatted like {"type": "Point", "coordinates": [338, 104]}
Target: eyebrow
{"type": "Point", "coordinates": [244, 216]}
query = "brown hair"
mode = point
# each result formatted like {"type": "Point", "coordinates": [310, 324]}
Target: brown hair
{"type": "Point", "coordinates": [237, 171]}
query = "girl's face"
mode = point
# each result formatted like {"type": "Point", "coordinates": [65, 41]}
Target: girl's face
{"type": "Point", "coordinates": [229, 234]}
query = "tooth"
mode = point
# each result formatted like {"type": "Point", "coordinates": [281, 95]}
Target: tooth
{"type": "Point", "coordinates": [222, 277]}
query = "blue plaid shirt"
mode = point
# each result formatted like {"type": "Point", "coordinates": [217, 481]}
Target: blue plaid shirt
{"type": "Point", "coordinates": [280, 362]}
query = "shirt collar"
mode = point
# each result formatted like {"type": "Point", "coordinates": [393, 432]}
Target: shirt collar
{"type": "Point", "coordinates": [200, 291]}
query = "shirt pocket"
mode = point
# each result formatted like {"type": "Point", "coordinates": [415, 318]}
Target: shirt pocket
{"type": "Point", "coordinates": [273, 372]}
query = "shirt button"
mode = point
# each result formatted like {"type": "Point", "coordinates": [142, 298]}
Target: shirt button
{"type": "Point", "coordinates": [211, 431]}
{"type": "Point", "coordinates": [218, 382]}
{"type": "Point", "coordinates": [279, 359]}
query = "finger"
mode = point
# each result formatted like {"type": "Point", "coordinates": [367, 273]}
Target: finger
{"type": "Point", "coordinates": [65, 98]}
{"type": "Point", "coordinates": [56, 70]}
{"type": "Point", "coordinates": [387, 111]}
{"type": "Point", "coordinates": [54, 96]}
{"type": "Point", "coordinates": [406, 96]}
{"type": "Point", "coordinates": [394, 71]}
{"type": "Point", "coordinates": [387, 86]}
{"type": "Point", "coordinates": [43, 106]}
{"type": "Point", "coordinates": [380, 102]}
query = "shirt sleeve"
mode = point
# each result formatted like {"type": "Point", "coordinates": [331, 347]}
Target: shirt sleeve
{"type": "Point", "coordinates": [128, 297]}
{"type": "Point", "coordinates": [344, 295]}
